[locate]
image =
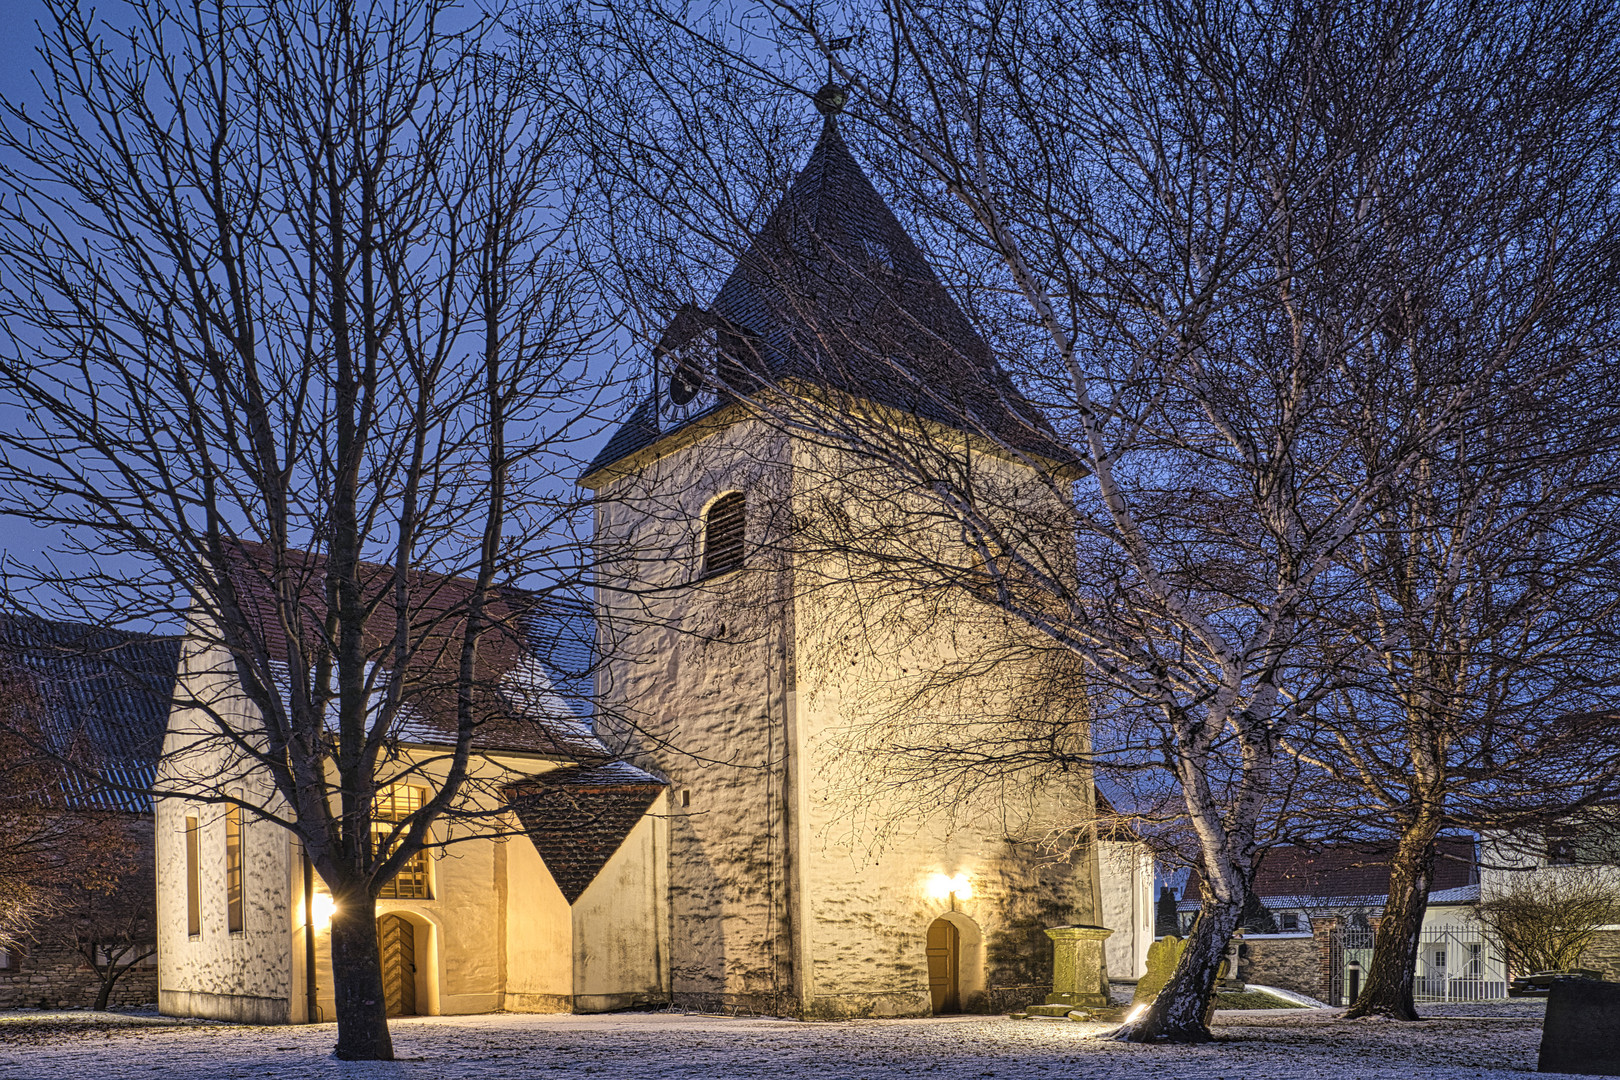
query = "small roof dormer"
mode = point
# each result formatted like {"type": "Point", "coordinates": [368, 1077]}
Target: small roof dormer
{"type": "Point", "coordinates": [833, 292]}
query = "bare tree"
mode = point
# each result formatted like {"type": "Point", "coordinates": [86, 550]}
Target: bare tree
{"type": "Point", "coordinates": [1545, 923]}
{"type": "Point", "coordinates": [1185, 231]}
{"type": "Point", "coordinates": [1478, 618]}
{"type": "Point", "coordinates": [295, 329]}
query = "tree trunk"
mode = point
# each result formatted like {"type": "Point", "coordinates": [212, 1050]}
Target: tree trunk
{"type": "Point", "coordinates": [104, 994]}
{"type": "Point", "coordinates": [1177, 1014]}
{"type": "Point", "coordinates": [1388, 991]}
{"type": "Point", "coordinates": [357, 983]}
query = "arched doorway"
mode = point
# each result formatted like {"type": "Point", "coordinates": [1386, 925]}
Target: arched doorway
{"type": "Point", "coordinates": [396, 940]}
{"type": "Point", "coordinates": [945, 966]}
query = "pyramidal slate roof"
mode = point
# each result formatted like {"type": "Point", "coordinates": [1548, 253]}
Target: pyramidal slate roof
{"type": "Point", "coordinates": [834, 292]}
{"type": "Point", "coordinates": [95, 697]}
{"type": "Point", "coordinates": [579, 815]}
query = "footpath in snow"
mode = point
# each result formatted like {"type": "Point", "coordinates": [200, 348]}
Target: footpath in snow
{"type": "Point", "coordinates": [1289, 1044]}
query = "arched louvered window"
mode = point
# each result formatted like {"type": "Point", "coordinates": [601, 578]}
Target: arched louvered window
{"type": "Point", "coordinates": [723, 534]}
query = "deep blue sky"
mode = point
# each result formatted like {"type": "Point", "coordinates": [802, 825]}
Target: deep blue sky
{"type": "Point", "coordinates": [18, 39]}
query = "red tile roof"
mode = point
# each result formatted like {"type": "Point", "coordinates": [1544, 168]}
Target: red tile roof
{"type": "Point", "coordinates": [1347, 872]}
{"type": "Point", "coordinates": [521, 701]}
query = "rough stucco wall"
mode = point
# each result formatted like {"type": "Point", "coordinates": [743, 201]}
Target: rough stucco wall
{"type": "Point", "coordinates": [1126, 873]}
{"type": "Point", "coordinates": [692, 678]}
{"type": "Point", "coordinates": [1289, 961]}
{"type": "Point", "coordinates": [218, 974]}
{"type": "Point", "coordinates": [882, 668]}
{"type": "Point", "coordinates": [495, 925]}
{"type": "Point", "coordinates": [539, 935]}
{"type": "Point", "coordinates": [619, 951]}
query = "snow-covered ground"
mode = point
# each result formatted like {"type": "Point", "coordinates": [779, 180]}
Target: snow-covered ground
{"type": "Point", "coordinates": [1282, 1044]}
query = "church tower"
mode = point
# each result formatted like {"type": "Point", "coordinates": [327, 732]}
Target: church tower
{"type": "Point", "coordinates": [786, 634]}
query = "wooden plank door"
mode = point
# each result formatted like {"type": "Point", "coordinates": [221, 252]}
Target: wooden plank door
{"type": "Point", "coordinates": [396, 939]}
{"type": "Point", "coordinates": [945, 966]}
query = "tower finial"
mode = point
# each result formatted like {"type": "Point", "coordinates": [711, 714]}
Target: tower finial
{"type": "Point", "coordinates": [831, 98]}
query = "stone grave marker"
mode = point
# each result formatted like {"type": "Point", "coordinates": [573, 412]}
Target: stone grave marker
{"type": "Point", "coordinates": [1582, 1031]}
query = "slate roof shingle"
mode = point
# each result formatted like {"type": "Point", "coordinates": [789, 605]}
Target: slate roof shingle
{"type": "Point", "coordinates": [578, 816]}
{"type": "Point", "coordinates": [96, 697]}
{"type": "Point", "coordinates": [834, 292]}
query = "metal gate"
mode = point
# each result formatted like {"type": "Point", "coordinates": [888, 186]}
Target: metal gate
{"type": "Point", "coordinates": [1454, 963]}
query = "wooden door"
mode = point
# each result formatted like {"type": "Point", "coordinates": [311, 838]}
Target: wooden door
{"type": "Point", "coordinates": [945, 966]}
{"type": "Point", "coordinates": [396, 939]}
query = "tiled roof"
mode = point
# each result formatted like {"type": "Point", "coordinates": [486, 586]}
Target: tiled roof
{"type": "Point", "coordinates": [531, 692]}
{"type": "Point", "coordinates": [1346, 873]}
{"type": "Point", "coordinates": [578, 816]}
{"type": "Point", "coordinates": [94, 697]}
{"type": "Point", "coordinates": [832, 291]}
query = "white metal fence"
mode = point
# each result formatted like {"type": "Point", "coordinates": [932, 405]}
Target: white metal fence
{"type": "Point", "coordinates": [1454, 963]}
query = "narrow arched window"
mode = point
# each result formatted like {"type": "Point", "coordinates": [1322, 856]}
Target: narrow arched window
{"type": "Point", "coordinates": [723, 534]}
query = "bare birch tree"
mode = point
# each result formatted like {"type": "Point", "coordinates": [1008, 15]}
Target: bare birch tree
{"type": "Point", "coordinates": [1185, 229]}
{"type": "Point", "coordinates": [295, 332]}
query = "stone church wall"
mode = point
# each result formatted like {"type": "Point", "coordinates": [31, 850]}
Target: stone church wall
{"type": "Point", "coordinates": [803, 865]}
{"type": "Point", "coordinates": [893, 672]}
{"type": "Point", "coordinates": [694, 692]}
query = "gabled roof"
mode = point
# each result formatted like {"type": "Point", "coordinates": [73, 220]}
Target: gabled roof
{"type": "Point", "coordinates": [834, 292]}
{"type": "Point", "coordinates": [97, 699]}
{"type": "Point", "coordinates": [578, 816]}
{"type": "Point", "coordinates": [531, 691]}
{"type": "Point", "coordinates": [1346, 873]}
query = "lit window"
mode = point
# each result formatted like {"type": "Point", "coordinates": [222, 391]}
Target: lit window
{"type": "Point", "coordinates": [193, 894]}
{"type": "Point", "coordinates": [233, 869]}
{"type": "Point", "coordinates": [395, 803]}
{"type": "Point", "coordinates": [723, 534]}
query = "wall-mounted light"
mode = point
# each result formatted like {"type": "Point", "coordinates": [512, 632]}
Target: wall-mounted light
{"type": "Point", "coordinates": [955, 887]}
{"type": "Point", "coordinates": [322, 908]}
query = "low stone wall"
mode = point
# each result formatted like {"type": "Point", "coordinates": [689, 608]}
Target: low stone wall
{"type": "Point", "coordinates": [57, 977]}
{"type": "Point", "coordinates": [1287, 961]}
{"type": "Point", "coordinates": [1603, 954]}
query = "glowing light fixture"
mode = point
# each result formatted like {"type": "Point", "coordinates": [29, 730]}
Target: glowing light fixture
{"type": "Point", "coordinates": [322, 908]}
{"type": "Point", "coordinates": [941, 887]}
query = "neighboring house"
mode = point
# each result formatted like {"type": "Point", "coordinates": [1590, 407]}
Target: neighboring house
{"type": "Point", "coordinates": [1589, 848]}
{"type": "Point", "coordinates": [84, 712]}
{"type": "Point", "coordinates": [1325, 902]}
{"type": "Point", "coordinates": [812, 871]}
{"type": "Point", "coordinates": [570, 918]}
{"type": "Point", "coordinates": [1350, 883]}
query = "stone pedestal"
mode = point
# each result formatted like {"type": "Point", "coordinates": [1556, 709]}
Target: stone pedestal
{"type": "Point", "coordinates": [1079, 978]}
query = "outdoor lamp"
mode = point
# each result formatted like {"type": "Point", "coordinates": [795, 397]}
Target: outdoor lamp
{"type": "Point", "coordinates": [941, 887]}
{"type": "Point", "coordinates": [322, 908]}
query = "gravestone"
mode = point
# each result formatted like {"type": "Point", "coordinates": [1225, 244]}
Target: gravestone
{"type": "Point", "coordinates": [1162, 957]}
{"type": "Point", "coordinates": [1078, 974]}
{"type": "Point", "coordinates": [1161, 962]}
{"type": "Point", "coordinates": [1582, 1031]}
